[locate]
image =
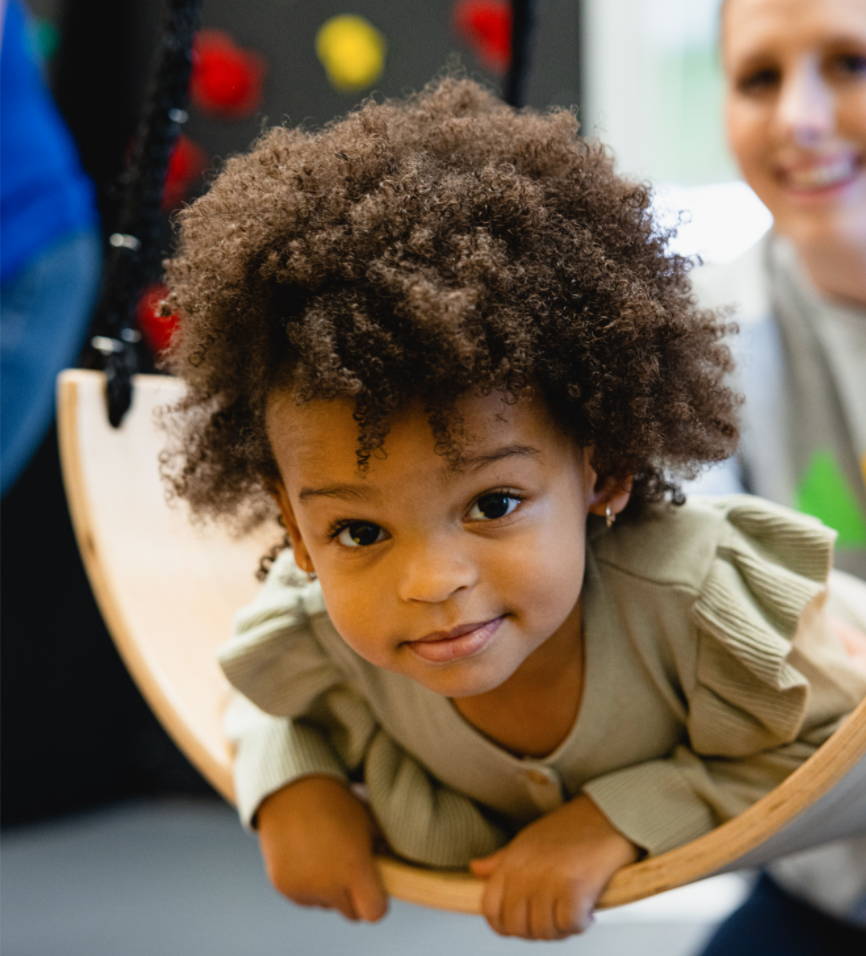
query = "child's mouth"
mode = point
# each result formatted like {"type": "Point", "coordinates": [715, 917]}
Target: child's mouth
{"type": "Point", "coordinates": [465, 641]}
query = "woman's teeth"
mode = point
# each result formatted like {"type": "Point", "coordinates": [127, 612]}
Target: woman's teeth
{"type": "Point", "coordinates": [821, 176]}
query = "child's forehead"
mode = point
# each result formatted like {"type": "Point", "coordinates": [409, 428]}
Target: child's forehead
{"type": "Point", "coordinates": [325, 432]}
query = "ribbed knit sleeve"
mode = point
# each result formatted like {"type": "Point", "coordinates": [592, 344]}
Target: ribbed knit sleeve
{"type": "Point", "coordinates": [274, 658]}
{"type": "Point", "coordinates": [271, 752]}
{"type": "Point", "coordinates": [295, 714]}
{"type": "Point", "coordinates": [770, 683]}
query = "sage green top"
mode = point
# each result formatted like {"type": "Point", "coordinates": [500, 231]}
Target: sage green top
{"type": "Point", "coordinates": [709, 675]}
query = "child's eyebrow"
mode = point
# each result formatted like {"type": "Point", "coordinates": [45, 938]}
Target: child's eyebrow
{"type": "Point", "coordinates": [474, 462]}
{"type": "Point", "coordinates": [471, 463]}
{"type": "Point", "coordinates": [350, 492]}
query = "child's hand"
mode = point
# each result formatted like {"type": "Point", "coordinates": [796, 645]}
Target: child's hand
{"type": "Point", "coordinates": [317, 839]}
{"type": "Point", "coordinates": [544, 883]}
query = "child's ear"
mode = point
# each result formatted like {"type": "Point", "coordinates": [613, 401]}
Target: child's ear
{"type": "Point", "coordinates": [610, 496]}
{"type": "Point", "coordinates": [302, 556]}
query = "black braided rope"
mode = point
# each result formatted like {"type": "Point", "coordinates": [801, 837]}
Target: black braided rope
{"type": "Point", "coordinates": [522, 26]}
{"type": "Point", "coordinates": [134, 257]}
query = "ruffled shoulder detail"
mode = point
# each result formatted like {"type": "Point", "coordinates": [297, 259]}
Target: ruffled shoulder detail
{"type": "Point", "coordinates": [771, 566]}
{"type": "Point", "coordinates": [275, 658]}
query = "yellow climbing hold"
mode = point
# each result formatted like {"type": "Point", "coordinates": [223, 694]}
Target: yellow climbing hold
{"type": "Point", "coordinates": [352, 51]}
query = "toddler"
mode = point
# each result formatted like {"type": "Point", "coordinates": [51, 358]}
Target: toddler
{"type": "Point", "coordinates": [448, 346]}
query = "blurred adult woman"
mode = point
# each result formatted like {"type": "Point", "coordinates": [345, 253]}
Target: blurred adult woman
{"type": "Point", "coordinates": [796, 120]}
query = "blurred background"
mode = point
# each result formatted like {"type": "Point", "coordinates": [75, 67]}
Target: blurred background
{"type": "Point", "coordinates": [111, 841]}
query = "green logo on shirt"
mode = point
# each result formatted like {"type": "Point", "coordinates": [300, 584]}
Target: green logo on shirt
{"type": "Point", "coordinates": [826, 493]}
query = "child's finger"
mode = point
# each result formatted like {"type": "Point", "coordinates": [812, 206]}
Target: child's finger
{"type": "Point", "coordinates": [344, 904]}
{"type": "Point", "coordinates": [573, 913]}
{"type": "Point", "coordinates": [515, 914]}
{"type": "Point", "coordinates": [491, 902]}
{"type": "Point", "coordinates": [483, 866]}
{"type": "Point", "coordinates": [542, 922]}
{"type": "Point", "coordinates": [369, 900]}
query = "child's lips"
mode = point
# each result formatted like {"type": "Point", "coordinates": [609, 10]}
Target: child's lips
{"type": "Point", "coordinates": [444, 646]}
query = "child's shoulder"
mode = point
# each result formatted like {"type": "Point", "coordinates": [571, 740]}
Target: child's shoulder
{"type": "Point", "coordinates": [283, 652]}
{"type": "Point", "coordinates": [287, 611]}
{"type": "Point", "coordinates": [681, 546]}
{"type": "Point", "coordinates": [288, 594]}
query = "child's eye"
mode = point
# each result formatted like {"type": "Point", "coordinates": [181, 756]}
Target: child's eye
{"type": "Point", "coordinates": [494, 504]}
{"type": "Point", "coordinates": [357, 534]}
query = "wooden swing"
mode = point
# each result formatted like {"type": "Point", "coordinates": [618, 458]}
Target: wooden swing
{"type": "Point", "coordinates": [168, 592]}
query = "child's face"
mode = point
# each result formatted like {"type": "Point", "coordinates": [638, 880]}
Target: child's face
{"type": "Point", "coordinates": [455, 577]}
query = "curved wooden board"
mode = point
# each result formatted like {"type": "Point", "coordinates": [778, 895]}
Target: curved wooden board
{"type": "Point", "coordinates": [168, 591]}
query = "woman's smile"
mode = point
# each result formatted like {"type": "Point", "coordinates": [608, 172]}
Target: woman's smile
{"type": "Point", "coordinates": [820, 175]}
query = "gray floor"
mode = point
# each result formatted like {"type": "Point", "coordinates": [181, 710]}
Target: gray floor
{"type": "Point", "coordinates": [181, 877]}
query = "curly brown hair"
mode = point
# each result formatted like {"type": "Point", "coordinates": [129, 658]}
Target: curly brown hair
{"type": "Point", "coordinates": [423, 249]}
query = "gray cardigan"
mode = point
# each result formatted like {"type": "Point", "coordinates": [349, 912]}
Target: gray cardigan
{"type": "Point", "coordinates": [801, 365]}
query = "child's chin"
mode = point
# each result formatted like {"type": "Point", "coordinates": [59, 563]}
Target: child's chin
{"type": "Point", "coordinates": [455, 684]}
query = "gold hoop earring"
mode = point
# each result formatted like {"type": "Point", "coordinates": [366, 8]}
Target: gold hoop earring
{"type": "Point", "coordinates": [609, 516]}
{"type": "Point", "coordinates": [308, 569]}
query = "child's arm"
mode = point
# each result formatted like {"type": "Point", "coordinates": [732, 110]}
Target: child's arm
{"type": "Point", "coordinates": [315, 835]}
{"type": "Point", "coordinates": [317, 841]}
{"type": "Point", "coordinates": [545, 882]}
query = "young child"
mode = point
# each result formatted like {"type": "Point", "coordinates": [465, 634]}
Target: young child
{"type": "Point", "coordinates": [449, 346]}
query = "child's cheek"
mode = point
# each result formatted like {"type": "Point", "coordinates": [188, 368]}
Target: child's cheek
{"type": "Point", "coordinates": [355, 619]}
{"type": "Point", "coordinates": [551, 586]}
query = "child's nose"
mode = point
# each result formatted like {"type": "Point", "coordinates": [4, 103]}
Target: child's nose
{"type": "Point", "coordinates": [434, 571]}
